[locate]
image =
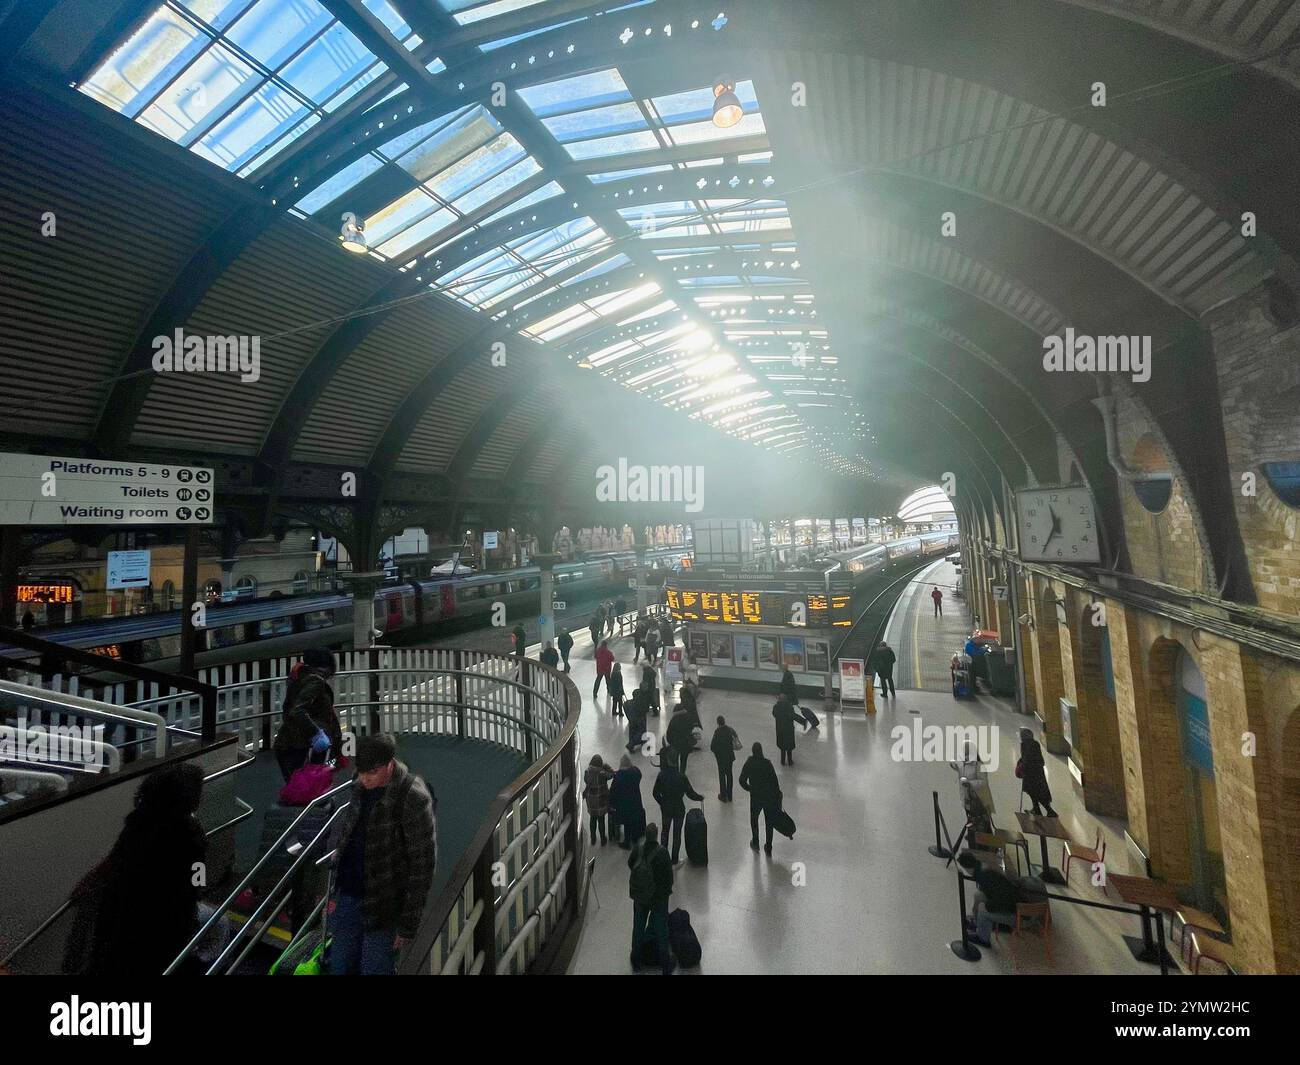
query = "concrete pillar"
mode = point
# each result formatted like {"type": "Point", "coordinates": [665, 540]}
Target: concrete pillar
{"type": "Point", "coordinates": [546, 587]}
{"type": "Point", "coordinates": [363, 587]}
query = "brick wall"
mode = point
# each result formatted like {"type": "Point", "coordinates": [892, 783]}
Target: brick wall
{"type": "Point", "coordinates": [1259, 386]}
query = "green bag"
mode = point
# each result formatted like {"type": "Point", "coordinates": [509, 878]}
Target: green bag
{"type": "Point", "coordinates": [293, 963]}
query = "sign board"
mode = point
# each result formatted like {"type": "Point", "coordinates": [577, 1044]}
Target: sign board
{"type": "Point", "coordinates": [46, 592]}
{"type": "Point", "coordinates": [853, 681]}
{"type": "Point", "coordinates": [999, 592]}
{"type": "Point", "coordinates": [1067, 720]}
{"type": "Point", "coordinates": [673, 666]}
{"type": "Point", "coordinates": [489, 541]}
{"type": "Point", "coordinates": [631, 583]}
{"type": "Point", "coordinates": [128, 569]}
{"type": "Point", "coordinates": [44, 490]}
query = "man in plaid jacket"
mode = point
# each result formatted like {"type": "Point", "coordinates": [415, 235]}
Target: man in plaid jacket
{"type": "Point", "coordinates": [385, 848]}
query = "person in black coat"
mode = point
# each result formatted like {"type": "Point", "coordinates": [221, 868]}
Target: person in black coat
{"type": "Point", "coordinates": [723, 746]}
{"type": "Point", "coordinates": [637, 711]}
{"type": "Point", "coordinates": [680, 735]}
{"type": "Point", "coordinates": [671, 791]}
{"type": "Point", "coordinates": [881, 663]}
{"type": "Point", "coordinates": [649, 684]}
{"type": "Point", "coordinates": [785, 716]}
{"type": "Point", "coordinates": [565, 644]}
{"type": "Point", "coordinates": [758, 777]}
{"type": "Point", "coordinates": [521, 639]}
{"type": "Point", "coordinates": [148, 902]}
{"type": "Point", "coordinates": [550, 656]}
{"type": "Point", "coordinates": [614, 685]}
{"type": "Point", "coordinates": [625, 806]}
{"type": "Point", "coordinates": [789, 688]}
{"type": "Point", "coordinates": [1033, 774]}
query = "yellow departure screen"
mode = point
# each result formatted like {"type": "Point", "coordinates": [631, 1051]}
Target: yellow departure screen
{"type": "Point", "coordinates": [759, 608]}
{"type": "Point", "coordinates": [731, 608]}
{"type": "Point", "coordinates": [674, 602]}
{"type": "Point", "coordinates": [711, 606]}
{"type": "Point", "coordinates": [690, 605]}
{"type": "Point", "coordinates": [45, 593]}
{"type": "Point", "coordinates": [841, 610]}
{"type": "Point", "coordinates": [818, 608]}
{"type": "Point", "coordinates": [751, 608]}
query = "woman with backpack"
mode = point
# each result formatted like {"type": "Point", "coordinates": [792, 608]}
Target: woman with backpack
{"type": "Point", "coordinates": [308, 723]}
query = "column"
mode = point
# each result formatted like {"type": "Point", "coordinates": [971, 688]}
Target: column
{"type": "Point", "coordinates": [363, 587]}
{"type": "Point", "coordinates": [545, 610]}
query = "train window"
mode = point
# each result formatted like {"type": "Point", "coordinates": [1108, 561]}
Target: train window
{"type": "Point", "coordinates": [246, 588]}
{"type": "Point", "coordinates": [150, 651]}
{"type": "Point", "coordinates": [274, 627]}
{"type": "Point", "coordinates": [319, 619]}
{"type": "Point", "coordinates": [228, 636]}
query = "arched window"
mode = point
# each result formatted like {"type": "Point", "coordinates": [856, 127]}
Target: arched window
{"type": "Point", "coordinates": [300, 582]}
{"type": "Point", "coordinates": [1208, 878]}
{"type": "Point", "coordinates": [167, 596]}
{"type": "Point", "coordinates": [1284, 479]}
{"type": "Point", "coordinates": [246, 588]}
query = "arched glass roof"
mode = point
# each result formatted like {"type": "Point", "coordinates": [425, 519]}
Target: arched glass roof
{"type": "Point", "coordinates": [927, 505]}
{"type": "Point", "coordinates": [602, 213]}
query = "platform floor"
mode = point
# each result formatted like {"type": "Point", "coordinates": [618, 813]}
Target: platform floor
{"type": "Point", "coordinates": [855, 891]}
{"type": "Point", "coordinates": [925, 643]}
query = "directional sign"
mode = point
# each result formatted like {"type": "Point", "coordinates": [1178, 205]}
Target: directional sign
{"type": "Point", "coordinates": [45, 490]}
{"type": "Point", "coordinates": [127, 569]}
{"type": "Point", "coordinates": [489, 541]}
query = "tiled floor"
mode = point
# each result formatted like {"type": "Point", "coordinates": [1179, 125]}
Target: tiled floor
{"type": "Point", "coordinates": [855, 891]}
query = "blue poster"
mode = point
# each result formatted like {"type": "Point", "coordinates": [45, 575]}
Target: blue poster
{"type": "Point", "coordinates": [1198, 749]}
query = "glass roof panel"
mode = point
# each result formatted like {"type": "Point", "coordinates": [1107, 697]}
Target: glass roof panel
{"type": "Point", "coordinates": [575, 94]}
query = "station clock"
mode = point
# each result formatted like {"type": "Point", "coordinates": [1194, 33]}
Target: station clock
{"type": "Point", "coordinates": [1057, 524]}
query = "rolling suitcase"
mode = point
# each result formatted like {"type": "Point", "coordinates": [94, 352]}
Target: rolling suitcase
{"type": "Point", "coordinates": [813, 720]}
{"type": "Point", "coordinates": [683, 940]}
{"type": "Point", "coordinates": [697, 837]}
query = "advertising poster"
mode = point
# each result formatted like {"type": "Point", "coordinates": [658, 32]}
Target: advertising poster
{"type": "Point", "coordinates": [768, 655]}
{"type": "Point", "coordinates": [853, 686]}
{"type": "Point", "coordinates": [744, 644]}
{"type": "Point", "coordinates": [792, 653]}
{"type": "Point", "coordinates": [699, 646]}
{"type": "Point", "coordinates": [672, 666]}
{"type": "Point", "coordinates": [819, 656]}
{"type": "Point", "coordinates": [720, 648]}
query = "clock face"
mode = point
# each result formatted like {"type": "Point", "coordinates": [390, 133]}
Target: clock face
{"type": "Point", "coordinates": [1057, 525]}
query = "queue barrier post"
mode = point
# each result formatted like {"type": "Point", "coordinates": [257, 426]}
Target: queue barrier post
{"type": "Point", "coordinates": [963, 948]}
{"type": "Point", "coordinates": [938, 850]}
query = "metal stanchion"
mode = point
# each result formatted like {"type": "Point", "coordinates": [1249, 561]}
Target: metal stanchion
{"type": "Point", "coordinates": [963, 948]}
{"type": "Point", "coordinates": [938, 850]}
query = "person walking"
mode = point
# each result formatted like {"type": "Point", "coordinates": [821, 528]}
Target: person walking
{"type": "Point", "coordinates": [610, 618]}
{"type": "Point", "coordinates": [638, 635]}
{"type": "Point", "coordinates": [680, 736]}
{"type": "Point", "coordinates": [626, 811]}
{"type": "Point", "coordinates": [596, 791]}
{"type": "Point", "coordinates": [147, 880]}
{"type": "Point", "coordinates": [652, 644]}
{"type": "Point", "coordinates": [386, 843]}
{"type": "Point", "coordinates": [1033, 774]}
{"type": "Point", "coordinates": [620, 610]}
{"type": "Point", "coordinates": [882, 664]}
{"type": "Point", "coordinates": [604, 664]}
{"type": "Point", "coordinates": [785, 718]}
{"type": "Point", "coordinates": [565, 644]}
{"type": "Point", "coordinates": [650, 687]}
{"type": "Point", "coordinates": [789, 688]}
{"type": "Point", "coordinates": [666, 634]}
{"type": "Point", "coordinates": [550, 656]}
{"type": "Point", "coordinates": [521, 638]}
{"type": "Point", "coordinates": [758, 777]}
{"type": "Point", "coordinates": [724, 745]}
{"type": "Point", "coordinates": [649, 885]}
{"type": "Point", "coordinates": [596, 626]}
{"type": "Point", "coordinates": [308, 722]}
{"type": "Point", "coordinates": [937, 596]}
{"type": "Point", "coordinates": [671, 791]}
{"type": "Point", "coordinates": [614, 685]}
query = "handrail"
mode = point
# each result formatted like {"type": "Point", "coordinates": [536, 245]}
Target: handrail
{"type": "Point", "coordinates": [251, 875]}
{"type": "Point", "coordinates": [206, 692]}
{"type": "Point", "coordinates": [89, 707]}
{"type": "Point", "coordinates": [440, 909]}
{"type": "Point", "coordinates": [40, 776]}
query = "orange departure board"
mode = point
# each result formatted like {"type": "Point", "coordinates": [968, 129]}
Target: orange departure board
{"type": "Point", "coordinates": [45, 593]}
{"type": "Point", "coordinates": [736, 607]}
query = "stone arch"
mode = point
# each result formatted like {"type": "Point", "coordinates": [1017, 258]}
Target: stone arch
{"type": "Point", "coordinates": [1096, 731]}
{"type": "Point", "coordinates": [1168, 829]}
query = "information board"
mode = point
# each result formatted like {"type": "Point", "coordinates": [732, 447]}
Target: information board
{"type": "Point", "coordinates": [489, 541]}
{"type": "Point", "coordinates": [46, 490]}
{"type": "Point", "coordinates": [853, 686]}
{"type": "Point", "coordinates": [127, 569]}
{"type": "Point", "coordinates": [47, 592]}
{"type": "Point", "coordinates": [736, 607]}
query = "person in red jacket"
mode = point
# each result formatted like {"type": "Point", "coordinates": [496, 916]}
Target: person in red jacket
{"type": "Point", "coordinates": [937, 596]}
{"type": "Point", "coordinates": [604, 663]}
